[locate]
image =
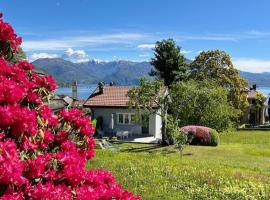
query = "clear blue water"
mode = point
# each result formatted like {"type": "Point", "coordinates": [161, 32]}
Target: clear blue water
{"type": "Point", "coordinates": [264, 90]}
{"type": "Point", "coordinates": [84, 91]}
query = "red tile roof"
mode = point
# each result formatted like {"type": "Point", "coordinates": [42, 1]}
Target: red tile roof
{"type": "Point", "coordinates": [112, 96]}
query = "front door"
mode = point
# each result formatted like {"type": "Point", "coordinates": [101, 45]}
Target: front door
{"type": "Point", "coordinates": [145, 124]}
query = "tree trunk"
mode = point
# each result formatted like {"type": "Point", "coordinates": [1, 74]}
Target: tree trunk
{"type": "Point", "coordinates": [165, 140]}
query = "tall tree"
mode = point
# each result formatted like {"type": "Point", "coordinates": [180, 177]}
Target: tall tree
{"type": "Point", "coordinates": [202, 103]}
{"type": "Point", "coordinates": [152, 97]}
{"type": "Point", "coordinates": [169, 64]}
{"type": "Point", "coordinates": [217, 66]}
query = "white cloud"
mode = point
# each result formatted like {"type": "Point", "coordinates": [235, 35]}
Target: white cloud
{"type": "Point", "coordinates": [140, 40]}
{"type": "Point", "coordinates": [252, 65]}
{"type": "Point", "coordinates": [36, 56]}
{"type": "Point", "coordinates": [45, 45]}
{"type": "Point", "coordinates": [146, 46]}
{"type": "Point", "coordinates": [82, 41]}
{"type": "Point", "coordinates": [69, 54]}
{"type": "Point", "coordinates": [144, 55]}
{"type": "Point", "coordinates": [186, 51]}
{"type": "Point", "coordinates": [75, 55]}
{"type": "Point", "coordinates": [208, 37]}
{"type": "Point", "coordinates": [258, 33]}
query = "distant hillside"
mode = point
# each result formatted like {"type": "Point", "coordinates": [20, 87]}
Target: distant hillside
{"type": "Point", "coordinates": [129, 73]}
{"type": "Point", "coordinates": [261, 79]}
{"type": "Point", "coordinates": [65, 71]}
{"type": "Point", "coordinates": [121, 72]}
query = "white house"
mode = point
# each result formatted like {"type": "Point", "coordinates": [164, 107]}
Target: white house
{"type": "Point", "coordinates": [109, 105]}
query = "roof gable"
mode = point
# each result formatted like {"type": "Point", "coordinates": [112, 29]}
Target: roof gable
{"type": "Point", "coordinates": [112, 96]}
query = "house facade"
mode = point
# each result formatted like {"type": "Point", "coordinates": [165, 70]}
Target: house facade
{"type": "Point", "coordinates": [256, 114]}
{"type": "Point", "coordinates": [109, 106]}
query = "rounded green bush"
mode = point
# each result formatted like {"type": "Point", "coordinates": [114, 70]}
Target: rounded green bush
{"type": "Point", "coordinates": [214, 137]}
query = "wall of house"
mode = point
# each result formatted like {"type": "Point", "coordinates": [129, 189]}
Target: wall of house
{"type": "Point", "coordinates": [158, 126]}
{"type": "Point", "coordinates": [254, 116]}
{"type": "Point", "coordinates": [152, 125]}
{"type": "Point", "coordinates": [155, 124]}
{"type": "Point", "coordinates": [154, 121]}
{"type": "Point", "coordinates": [106, 113]}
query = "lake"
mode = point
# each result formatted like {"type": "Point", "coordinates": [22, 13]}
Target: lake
{"type": "Point", "coordinates": [85, 90]}
{"type": "Point", "coordinates": [264, 90]}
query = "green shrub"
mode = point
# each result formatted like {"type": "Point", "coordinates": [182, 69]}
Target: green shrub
{"type": "Point", "coordinates": [94, 123]}
{"type": "Point", "coordinates": [214, 141]}
{"type": "Point", "coordinates": [180, 142]}
{"type": "Point", "coordinates": [202, 103]}
{"type": "Point", "coordinates": [172, 130]}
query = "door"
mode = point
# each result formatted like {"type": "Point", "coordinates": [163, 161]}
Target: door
{"type": "Point", "coordinates": [145, 124]}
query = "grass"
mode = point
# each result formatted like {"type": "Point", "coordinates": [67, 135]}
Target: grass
{"type": "Point", "coordinates": [239, 168]}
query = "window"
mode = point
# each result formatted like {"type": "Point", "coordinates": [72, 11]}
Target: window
{"type": "Point", "coordinates": [120, 119]}
{"type": "Point", "coordinates": [132, 118]}
{"type": "Point", "coordinates": [126, 118]}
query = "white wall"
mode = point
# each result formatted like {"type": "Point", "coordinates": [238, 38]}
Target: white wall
{"type": "Point", "coordinates": [158, 126]}
{"type": "Point", "coordinates": [106, 115]}
{"type": "Point", "coordinates": [155, 124]}
{"type": "Point", "coordinates": [152, 125]}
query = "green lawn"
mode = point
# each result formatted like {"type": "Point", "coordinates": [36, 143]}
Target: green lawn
{"type": "Point", "coordinates": [239, 168]}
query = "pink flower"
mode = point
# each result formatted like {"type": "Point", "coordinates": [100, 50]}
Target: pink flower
{"type": "Point", "coordinates": [7, 34]}
{"type": "Point", "coordinates": [50, 191]}
{"type": "Point", "coordinates": [201, 134]}
{"type": "Point", "coordinates": [43, 156]}
{"type": "Point", "coordinates": [36, 168]}
{"type": "Point", "coordinates": [61, 137]}
{"type": "Point", "coordinates": [12, 196]}
{"type": "Point", "coordinates": [10, 164]}
{"type": "Point", "coordinates": [27, 145]}
{"type": "Point", "coordinates": [48, 116]}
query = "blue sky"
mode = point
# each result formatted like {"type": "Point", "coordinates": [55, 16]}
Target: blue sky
{"type": "Point", "coordinates": [80, 30]}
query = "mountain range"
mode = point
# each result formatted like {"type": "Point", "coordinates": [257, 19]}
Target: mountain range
{"type": "Point", "coordinates": [260, 79]}
{"type": "Point", "coordinates": [121, 72]}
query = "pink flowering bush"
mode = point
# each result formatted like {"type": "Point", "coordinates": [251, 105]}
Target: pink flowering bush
{"type": "Point", "coordinates": [9, 41]}
{"type": "Point", "coordinates": [44, 155]}
{"type": "Point", "coordinates": [201, 135]}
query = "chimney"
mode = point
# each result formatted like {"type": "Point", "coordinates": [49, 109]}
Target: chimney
{"type": "Point", "coordinates": [101, 87]}
{"type": "Point", "coordinates": [112, 83]}
{"type": "Point", "coordinates": [254, 86]}
{"type": "Point", "coordinates": [74, 90]}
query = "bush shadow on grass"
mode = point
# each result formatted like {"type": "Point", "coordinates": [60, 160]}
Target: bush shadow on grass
{"type": "Point", "coordinates": [148, 149]}
{"type": "Point", "coordinates": [159, 149]}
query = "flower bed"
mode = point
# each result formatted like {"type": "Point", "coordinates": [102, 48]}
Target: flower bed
{"type": "Point", "coordinates": [43, 155]}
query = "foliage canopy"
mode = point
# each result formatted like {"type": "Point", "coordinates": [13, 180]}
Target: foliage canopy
{"type": "Point", "coordinates": [169, 64]}
{"type": "Point", "coordinates": [202, 103]}
{"type": "Point", "coordinates": [217, 66]}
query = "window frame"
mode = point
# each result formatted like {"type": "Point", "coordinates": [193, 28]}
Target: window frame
{"type": "Point", "coordinates": [124, 118]}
